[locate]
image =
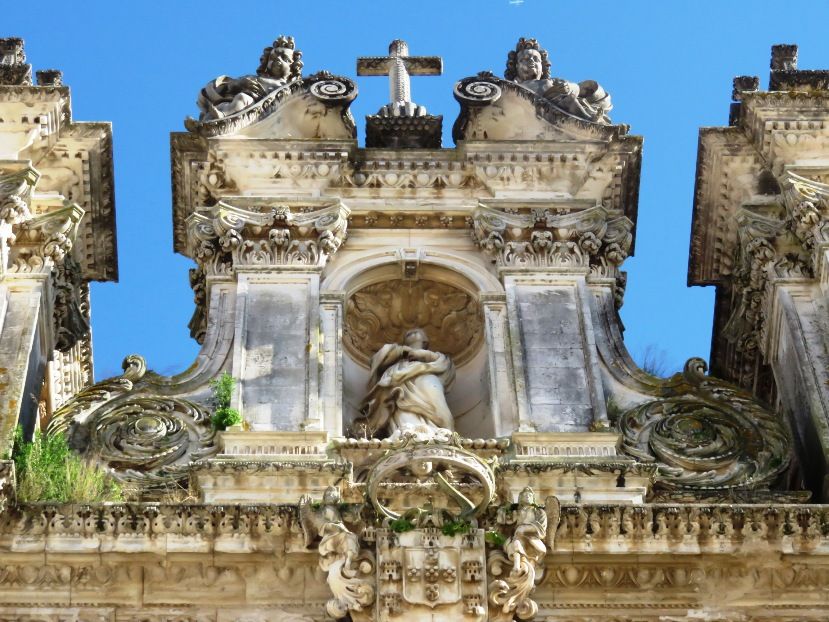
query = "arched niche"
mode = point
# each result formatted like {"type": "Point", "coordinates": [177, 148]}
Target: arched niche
{"type": "Point", "coordinates": [386, 293]}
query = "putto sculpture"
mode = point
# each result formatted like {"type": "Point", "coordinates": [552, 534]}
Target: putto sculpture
{"type": "Point", "coordinates": [407, 390]}
{"type": "Point", "coordinates": [280, 64]}
{"type": "Point", "coordinates": [529, 65]}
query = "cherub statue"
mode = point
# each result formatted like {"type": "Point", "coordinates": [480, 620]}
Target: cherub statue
{"type": "Point", "coordinates": [280, 64]}
{"type": "Point", "coordinates": [339, 551]}
{"type": "Point", "coordinates": [407, 389]}
{"type": "Point", "coordinates": [529, 66]}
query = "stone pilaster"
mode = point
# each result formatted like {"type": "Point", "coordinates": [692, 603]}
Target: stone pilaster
{"type": "Point", "coordinates": [275, 255]}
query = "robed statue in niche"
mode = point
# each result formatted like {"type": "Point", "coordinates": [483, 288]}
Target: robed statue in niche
{"type": "Point", "coordinates": [407, 390]}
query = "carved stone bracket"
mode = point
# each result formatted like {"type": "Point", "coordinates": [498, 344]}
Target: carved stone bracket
{"type": "Point", "coordinates": [225, 237]}
{"type": "Point", "coordinates": [590, 240]}
{"type": "Point", "coordinates": [771, 248]}
{"type": "Point", "coordinates": [44, 241]}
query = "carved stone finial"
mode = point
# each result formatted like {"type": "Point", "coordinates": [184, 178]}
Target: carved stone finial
{"type": "Point", "coordinates": [783, 57]}
{"type": "Point", "coordinates": [14, 71]}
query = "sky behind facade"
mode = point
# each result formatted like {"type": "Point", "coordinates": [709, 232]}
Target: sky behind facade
{"type": "Point", "coordinates": [667, 65]}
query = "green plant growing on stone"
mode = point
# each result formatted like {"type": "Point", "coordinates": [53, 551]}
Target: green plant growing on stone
{"type": "Point", "coordinates": [455, 527]}
{"type": "Point", "coordinates": [401, 525]}
{"type": "Point", "coordinates": [224, 416]}
{"type": "Point", "coordinates": [494, 538]}
{"type": "Point", "coordinates": [48, 470]}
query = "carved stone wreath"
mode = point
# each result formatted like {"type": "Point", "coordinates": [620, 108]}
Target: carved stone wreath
{"type": "Point", "coordinates": [382, 313]}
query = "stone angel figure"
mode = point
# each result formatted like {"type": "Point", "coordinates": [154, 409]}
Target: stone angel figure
{"type": "Point", "coordinates": [340, 554]}
{"type": "Point", "coordinates": [521, 560]}
{"type": "Point", "coordinates": [280, 64]}
{"type": "Point", "coordinates": [407, 389]}
{"type": "Point", "coordinates": [529, 65]}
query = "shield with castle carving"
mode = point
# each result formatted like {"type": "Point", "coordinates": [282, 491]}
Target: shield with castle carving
{"type": "Point", "coordinates": [431, 573]}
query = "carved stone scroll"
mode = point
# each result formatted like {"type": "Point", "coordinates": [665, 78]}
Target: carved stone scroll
{"type": "Point", "coordinates": [706, 436]}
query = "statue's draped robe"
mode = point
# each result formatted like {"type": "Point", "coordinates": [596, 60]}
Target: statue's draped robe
{"type": "Point", "coordinates": [408, 390]}
{"type": "Point", "coordinates": [225, 95]}
{"type": "Point", "coordinates": [586, 100]}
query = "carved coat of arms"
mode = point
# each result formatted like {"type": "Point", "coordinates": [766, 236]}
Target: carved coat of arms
{"type": "Point", "coordinates": [440, 577]}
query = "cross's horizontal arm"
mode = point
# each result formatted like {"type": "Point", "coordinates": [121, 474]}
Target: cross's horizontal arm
{"type": "Point", "coordinates": [415, 65]}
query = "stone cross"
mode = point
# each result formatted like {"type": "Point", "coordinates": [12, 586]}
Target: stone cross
{"type": "Point", "coordinates": [399, 66]}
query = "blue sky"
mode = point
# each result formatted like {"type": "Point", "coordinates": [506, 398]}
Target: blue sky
{"type": "Point", "coordinates": [667, 65]}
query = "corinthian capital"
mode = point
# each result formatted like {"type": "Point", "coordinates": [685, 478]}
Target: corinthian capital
{"type": "Point", "coordinates": [45, 240]}
{"type": "Point", "coordinates": [587, 240]}
{"type": "Point", "coordinates": [225, 237]}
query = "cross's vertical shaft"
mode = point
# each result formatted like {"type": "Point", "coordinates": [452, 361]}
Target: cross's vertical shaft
{"type": "Point", "coordinates": [399, 86]}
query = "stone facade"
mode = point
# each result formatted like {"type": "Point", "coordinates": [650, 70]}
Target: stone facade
{"type": "Point", "coordinates": [441, 417]}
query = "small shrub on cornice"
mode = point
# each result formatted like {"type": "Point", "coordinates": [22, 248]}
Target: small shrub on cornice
{"type": "Point", "coordinates": [224, 416]}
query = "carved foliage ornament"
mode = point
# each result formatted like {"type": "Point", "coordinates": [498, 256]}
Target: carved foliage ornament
{"type": "Point", "coordinates": [349, 568]}
{"type": "Point", "coordinates": [706, 435]}
{"type": "Point", "coordinates": [519, 565]}
{"type": "Point", "coordinates": [588, 238]}
{"type": "Point", "coordinates": [223, 237]}
{"type": "Point", "coordinates": [383, 312]}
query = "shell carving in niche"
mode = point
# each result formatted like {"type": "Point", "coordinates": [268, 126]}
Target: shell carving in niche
{"type": "Point", "coordinates": [381, 313]}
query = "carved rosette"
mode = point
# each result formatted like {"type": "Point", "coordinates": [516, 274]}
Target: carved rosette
{"type": "Point", "coordinates": [589, 239]}
{"type": "Point", "coordinates": [706, 436]}
{"type": "Point", "coordinates": [225, 237]}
